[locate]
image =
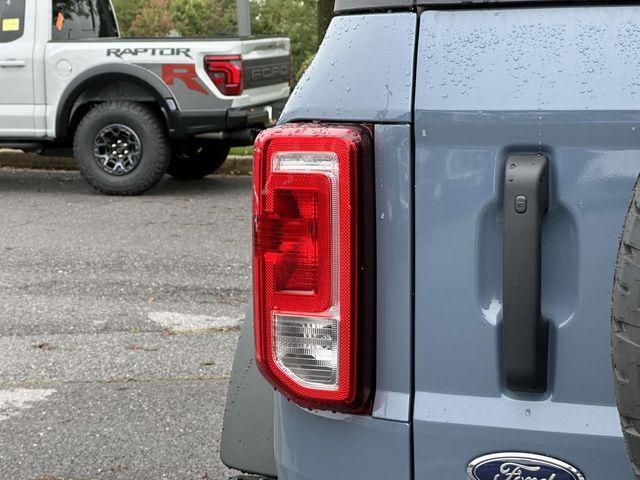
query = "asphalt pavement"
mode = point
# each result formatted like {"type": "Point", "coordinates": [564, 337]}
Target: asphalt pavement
{"type": "Point", "coordinates": [118, 322]}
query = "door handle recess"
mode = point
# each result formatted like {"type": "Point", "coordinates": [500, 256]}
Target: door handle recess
{"type": "Point", "coordinates": [525, 334]}
{"type": "Point", "coordinates": [12, 63]}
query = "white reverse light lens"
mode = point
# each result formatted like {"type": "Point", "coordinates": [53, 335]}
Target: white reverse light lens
{"type": "Point", "coordinates": [305, 162]}
{"type": "Point", "coordinates": [307, 349]}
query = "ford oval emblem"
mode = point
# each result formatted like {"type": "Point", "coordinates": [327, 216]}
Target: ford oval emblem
{"type": "Point", "coordinates": [521, 466]}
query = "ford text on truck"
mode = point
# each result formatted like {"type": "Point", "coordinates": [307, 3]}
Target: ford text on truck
{"type": "Point", "coordinates": [131, 109]}
{"type": "Point", "coordinates": [446, 251]}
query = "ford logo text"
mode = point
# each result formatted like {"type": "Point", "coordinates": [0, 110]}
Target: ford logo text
{"type": "Point", "coordinates": [521, 466]}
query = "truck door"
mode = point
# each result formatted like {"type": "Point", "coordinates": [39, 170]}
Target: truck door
{"type": "Point", "coordinates": [527, 140]}
{"type": "Point", "coordinates": [17, 34]}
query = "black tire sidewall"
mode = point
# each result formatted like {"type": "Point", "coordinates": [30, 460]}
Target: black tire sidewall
{"type": "Point", "coordinates": [155, 156]}
{"type": "Point", "coordinates": [187, 164]}
{"type": "Point", "coordinates": [625, 331]}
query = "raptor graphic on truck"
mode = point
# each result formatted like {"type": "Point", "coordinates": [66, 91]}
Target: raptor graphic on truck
{"type": "Point", "coordinates": [163, 52]}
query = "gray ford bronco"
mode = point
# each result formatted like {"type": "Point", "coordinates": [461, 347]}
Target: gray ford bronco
{"type": "Point", "coordinates": [447, 251]}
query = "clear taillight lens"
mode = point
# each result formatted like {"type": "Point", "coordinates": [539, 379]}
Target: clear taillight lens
{"type": "Point", "coordinates": [306, 349]}
{"type": "Point", "coordinates": [226, 73]}
{"type": "Point", "coordinates": [308, 266]}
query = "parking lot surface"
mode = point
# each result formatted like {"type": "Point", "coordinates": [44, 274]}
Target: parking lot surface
{"type": "Point", "coordinates": [118, 325]}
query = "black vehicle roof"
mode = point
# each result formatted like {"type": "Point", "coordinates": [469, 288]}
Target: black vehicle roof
{"type": "Point", "coordinates": [348, 5]}
{"type": "Point", "coordinates": [363, 5]}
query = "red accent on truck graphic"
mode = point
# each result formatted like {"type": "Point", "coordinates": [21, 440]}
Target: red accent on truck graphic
{"type": "Point", "coordinates": [185, 72]}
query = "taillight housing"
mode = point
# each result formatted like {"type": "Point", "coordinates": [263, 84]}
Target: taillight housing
{"type": "Point", "coordinates": [313, 264]}
{"type": "Point", "coordinates": [226, 73]}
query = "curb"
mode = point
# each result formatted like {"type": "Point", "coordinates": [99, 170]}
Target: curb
{"type": "Point", "coordinates": [235, 165]}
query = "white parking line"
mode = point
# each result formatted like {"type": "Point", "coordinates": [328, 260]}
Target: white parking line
{"type": "Point", "coordinates": [12, 402]}
{"type": "Point", "coordinates": [180, 322]}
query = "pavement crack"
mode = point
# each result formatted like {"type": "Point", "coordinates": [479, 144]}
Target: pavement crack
{"type": "Point", "coordinates": [133, 333]}
{"type": "Point", "coordinates": [117, 381]}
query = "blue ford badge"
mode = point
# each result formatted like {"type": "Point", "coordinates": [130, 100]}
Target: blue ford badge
{"type": "Point", "coordinates": [521, 466]}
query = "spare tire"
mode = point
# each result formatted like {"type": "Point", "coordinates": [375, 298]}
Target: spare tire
{"type": "Point", "coordinates": [625, 331]}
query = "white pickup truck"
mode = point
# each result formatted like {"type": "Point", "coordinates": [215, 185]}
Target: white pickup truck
{"type": "Point", "coordinates": [131, 110]}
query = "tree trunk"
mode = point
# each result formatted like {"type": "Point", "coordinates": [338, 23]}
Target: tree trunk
{"type": "Point", "coordinates": [325, 14]}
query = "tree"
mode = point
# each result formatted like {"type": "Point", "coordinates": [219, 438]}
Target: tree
{"type": "Point", "coordinates": [293, 18]}
{"type": "Point", "coordinates": [325, 14]}
{"type": "Point", "coordinates": [187, 17]}
{"type": "Point", "coordinates": [190, 16]}
{"type": "Point", "coordinates": [153, 20]}
{"type": "Point", "coordinates": [204, 17]}
{"type": "Point", "coordinates": [127, 11]}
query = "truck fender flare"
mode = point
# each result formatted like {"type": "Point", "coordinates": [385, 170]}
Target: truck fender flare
{"type": "Point", "coordinates": [113, 72]}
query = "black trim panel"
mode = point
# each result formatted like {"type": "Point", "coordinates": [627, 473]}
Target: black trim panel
{"type": "Point", "coordinates": [170, 39]}
{"type": "Point", "coordinates": [206, 121]}
{"type": "Point", "coordinates": [200, 121]}
{"type": "Point", "coordinates": [267, 71]}
{"type": "Point", "coordinates": [525, 334]}
{"type": "Point", "coordinates": [247, 442]}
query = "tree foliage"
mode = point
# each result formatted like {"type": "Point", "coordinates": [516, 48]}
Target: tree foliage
{"type": "Point", "coordinates": [297, 19]}
{"type": "Point", "coordinates": [127, 11]}
{"type": "Point", "coordinates": [325, 14]}
{"type": "Point", "coordinates": [153, 20]}
{"type": "Point", "coordinates": [293, 18]}
{"type": "Point", "coordinates": [199, 18]}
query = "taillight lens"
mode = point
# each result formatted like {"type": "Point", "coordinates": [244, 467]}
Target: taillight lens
{"type": "Point", "coordinates": [226, 73]}
{"type": "Point", "coordinates": [314, 337]}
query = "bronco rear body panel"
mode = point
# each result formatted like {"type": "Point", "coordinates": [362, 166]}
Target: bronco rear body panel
{"type": "Point", "coordinates": [452, 94]}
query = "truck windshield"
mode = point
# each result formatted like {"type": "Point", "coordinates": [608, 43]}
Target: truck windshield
{"type": "Point", "coordinates": [83, 19]}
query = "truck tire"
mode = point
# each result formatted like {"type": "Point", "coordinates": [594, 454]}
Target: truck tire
{"type": "Point", "coordinates": [121, 148]}
{"type": "Point", "coordinates": [195, 159]}
{"type": "Point", "coordinates": [625, 331]}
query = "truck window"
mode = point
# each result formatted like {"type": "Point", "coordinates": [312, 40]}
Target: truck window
{"type": "Point", "coordinates": [83, 19]}
{"type": "Point", "coordinates": [11, 20]}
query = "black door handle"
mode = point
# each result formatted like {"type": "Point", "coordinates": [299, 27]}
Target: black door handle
{"type": "Point", "coordinates": [525, 334]}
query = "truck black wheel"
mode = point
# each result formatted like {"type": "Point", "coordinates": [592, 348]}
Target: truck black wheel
{"type": "Point", "coordinates": [121, 148]}
{"type": "Point", "coordinates": [626, 331]}
{"type": "Point", "coordinates": [195, 159]}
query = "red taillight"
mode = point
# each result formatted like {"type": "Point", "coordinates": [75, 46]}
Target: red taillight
{"type": "Point", "coordinates": [313, 342]}
{"type": "Point", "coordinates": [226, 73]}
